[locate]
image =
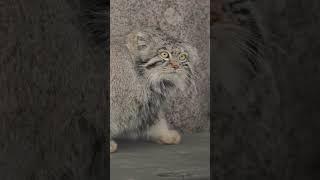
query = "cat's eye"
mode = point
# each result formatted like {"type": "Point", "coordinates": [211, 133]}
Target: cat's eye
{"type": "Point", "coordinates": [164, 55]}
{"type": "Point", "coordinates": [183, 56]}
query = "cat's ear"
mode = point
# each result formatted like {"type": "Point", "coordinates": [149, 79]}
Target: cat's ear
{"type": "Point", "coordinates": [138, 42]}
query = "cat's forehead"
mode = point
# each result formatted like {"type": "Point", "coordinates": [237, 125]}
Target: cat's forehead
{"type": "Point", "coordinates": [176, 47]}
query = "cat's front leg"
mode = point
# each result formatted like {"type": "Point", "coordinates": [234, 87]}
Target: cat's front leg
{"type": "Point", "coordinates": [114, 132]}
{"type": "Point", "coordinates": [113, 146]}
{"type": "Point", "coordinates": [160, 132]}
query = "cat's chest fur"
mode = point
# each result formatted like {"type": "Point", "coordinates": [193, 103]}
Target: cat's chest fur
{"type": "Point", "coordinates": [132, 104]}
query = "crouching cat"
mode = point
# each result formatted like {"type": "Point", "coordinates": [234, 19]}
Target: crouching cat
{"type": "Point", "coordinates": [147, 68]}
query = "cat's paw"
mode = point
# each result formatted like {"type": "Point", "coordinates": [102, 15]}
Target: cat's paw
{"type": "Point", "coordinates": [169, 137]}
{"type": "Point", "coordinates": [113, 146]}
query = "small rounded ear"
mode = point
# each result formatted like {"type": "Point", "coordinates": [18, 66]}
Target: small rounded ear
{"type": "Point", "coordinates": [138, 42]}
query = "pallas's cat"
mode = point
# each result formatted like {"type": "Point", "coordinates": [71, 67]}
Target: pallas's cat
{"type": "Point", "coordinates": [147, 68]}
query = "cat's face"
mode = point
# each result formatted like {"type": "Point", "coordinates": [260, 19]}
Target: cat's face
{"type": "Point", "coordinates": [165, 63]}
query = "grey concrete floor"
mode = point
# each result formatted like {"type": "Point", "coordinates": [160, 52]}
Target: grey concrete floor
{"type": "Point", "coordinates": [137, 160]}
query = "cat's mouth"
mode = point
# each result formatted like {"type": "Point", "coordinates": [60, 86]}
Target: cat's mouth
{"type": "Point", "coordinates": [173, 71]}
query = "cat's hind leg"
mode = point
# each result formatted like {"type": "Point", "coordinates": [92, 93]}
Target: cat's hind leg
{"type": "Point", "coordinates": [160, 133]}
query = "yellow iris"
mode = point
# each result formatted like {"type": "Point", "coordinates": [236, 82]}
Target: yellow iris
{"type": "Point", "coordinates": [164, 55]}
{"type": "Point", "coordinates": [183, 56]}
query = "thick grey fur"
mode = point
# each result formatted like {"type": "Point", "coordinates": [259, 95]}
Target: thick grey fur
{"type": "Point", "coordinates": [138, 93]}
{"type": "Point", "coordinates": [186, 20]}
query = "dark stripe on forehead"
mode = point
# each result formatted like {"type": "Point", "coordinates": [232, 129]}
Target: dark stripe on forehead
{"type": "Point", "coordinates": [168, 41]}
{"type": "Point", "coordinates": [172, 47]}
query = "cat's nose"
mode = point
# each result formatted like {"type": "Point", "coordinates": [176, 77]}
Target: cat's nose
{"type": "Point", "coordinates": [174, 64]}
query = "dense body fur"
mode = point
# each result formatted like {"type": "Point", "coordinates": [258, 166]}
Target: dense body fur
{"type": "Point", "coordinates": [141, 81]}
{"type": "Point", "coordinates": [238, 43]}
{"type": "Point", "coordinates": [245, 93]}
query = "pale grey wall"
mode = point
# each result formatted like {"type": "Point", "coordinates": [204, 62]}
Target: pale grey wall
{"type": "Point", "coordinates": [188, 20]}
